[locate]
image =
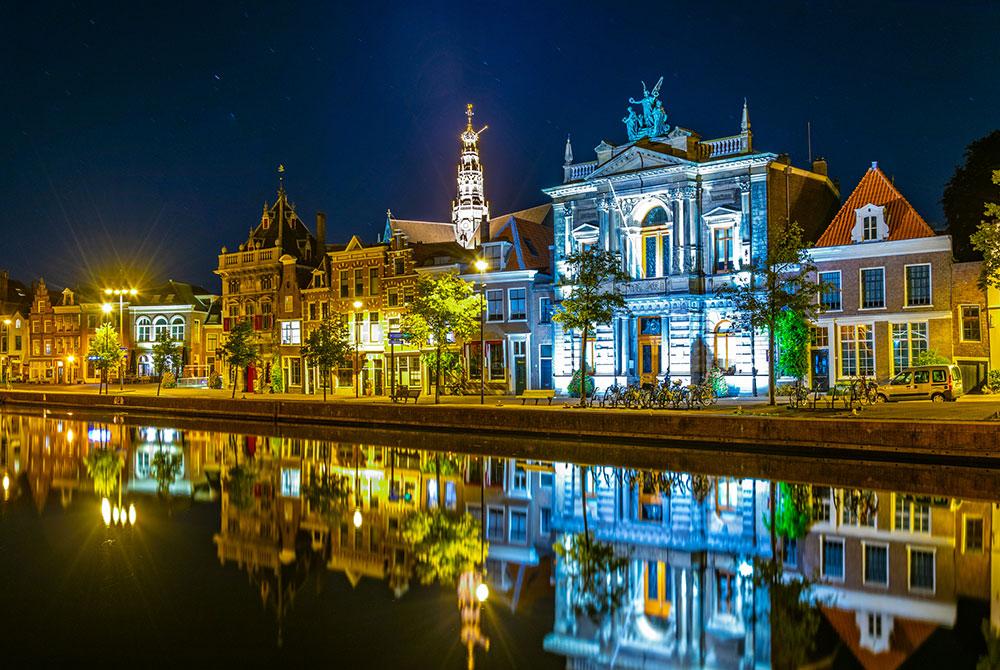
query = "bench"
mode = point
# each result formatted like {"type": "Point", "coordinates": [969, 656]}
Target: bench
{"type": "Point", "coordinates": [537, 394]}
{"type": "Point", "coordinates": [403, 393]}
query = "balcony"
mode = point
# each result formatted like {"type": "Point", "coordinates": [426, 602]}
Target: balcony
{"type": "Point", "coordinates": [247, 258]}
{"type": "Point", "coordinates": [725, 146]}
{"type": "Point", "coordinates": [578, 171]}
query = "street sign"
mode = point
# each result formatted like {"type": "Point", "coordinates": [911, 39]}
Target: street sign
{"type": "Point", "coordinates": [397, 337]}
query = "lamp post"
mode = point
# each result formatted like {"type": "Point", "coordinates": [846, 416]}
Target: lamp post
{"type": "Point", "coordinates": [121, 293]}
{"type": "Point", "coordinates": [6, 347]}
{"type": "Point", "coordinates": [482, 265]}
{"type": "Point", "coordinates": [357, 489]}
{"type": "Point", "coordinates": [357, 337]}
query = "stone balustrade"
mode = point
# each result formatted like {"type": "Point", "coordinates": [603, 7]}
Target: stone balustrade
{"type": "Point", "coordinates": [578, 171]}
{"type": "Point", "coordinates": [252, 257]}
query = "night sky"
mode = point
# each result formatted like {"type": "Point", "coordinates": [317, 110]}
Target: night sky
{"type": "Point", "coordinates": [137, 141]}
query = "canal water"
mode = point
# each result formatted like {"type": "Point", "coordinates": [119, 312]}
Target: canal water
{"type": "Point", "coordinates": [129, 540]}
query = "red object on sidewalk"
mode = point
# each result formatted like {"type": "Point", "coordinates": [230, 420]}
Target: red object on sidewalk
{"type": "Point", "coordinates": [251, 377]}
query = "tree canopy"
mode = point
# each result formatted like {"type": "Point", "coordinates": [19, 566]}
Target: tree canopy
{"type": "Point", "coordinates": [445, 544]}
{"type": "Point", "coordinates": [445, 309]}
{"type": "Point", "coordinates": [105, 351]}
{"type": "Point", "coordinates": [986, 240]}
{"type": "Point", "coordinates": [972, 184]}
{"type": "Point", "coordinates": [597, 575]}
{"type": "Point", "coordinates": [103, 466]}
{"type": "Point", "coordinates": [239, 349]}
{"type": "Point", "coordinates": [591, 277]}
{"type": "Point", "coordinates": [166, 356]}
{"type": "Point", "coordinates": [328, 347]}
{"type": "Point", "coordinates": [328, 495]}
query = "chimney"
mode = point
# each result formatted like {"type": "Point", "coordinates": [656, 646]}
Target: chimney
{"type": "Point", "coordinates": [320, 233]}
{"type": "Point", "coordinates": [820, 167]}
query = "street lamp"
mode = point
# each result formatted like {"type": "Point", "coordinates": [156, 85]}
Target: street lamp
{"type": "Point", "coordinates": [357, 489]}
{"type": "Point", "coordinates": [121, 293]}
{"type": "Point", "coordinates": [357, 365]}
{"type": "Point", "coordinates": [6, 359]}
{"type": "Point", "coordinates": [482, 265]}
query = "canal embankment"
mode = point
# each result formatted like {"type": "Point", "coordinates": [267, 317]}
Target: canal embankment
{"type": "Point", "coordinates": [956, 442]}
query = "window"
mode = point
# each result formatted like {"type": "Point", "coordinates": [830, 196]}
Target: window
{"type": "Point", "coordinates": [722, 333]}
{"type": "Point", "coordinates": [211, 342]}
{"type": "Point", "coordinates": [290, 482]}
{"type": "Point", "coordinates": [345, 290]}
{"type": "Point", "coordinates": [823, 504]}
{"type": "Point", "coordinates": [291, 332]}
{"type": "Point", "coordinates": [295, 371]}
{"type": "Point", "coordinates": [725, 593]}
{"type": "Point", "coordinates": [494, 257]}
{"type": "Point", "coordinates": [494, 305]}
{"type": "Point", "coordinates": [519, 526]}
{"type": "Point", "coordinates": [918, 285]}
{"type": "Point", "coordinates": [830, 296]}
{"type": "Point", "coordinates": [545, 521]}
{"type": "Point", "coordinates": [517, 304]}
{"type": "Point", "coordinates": [971, 329]}
{"type": "Point", "coordinates": [312, 311]}
{"type": "Point", "coordinates": [392, 298]}
{"type": "Point", "coordinates": [870, 228]}
{"type": "Point", "coordinates": [656, 254]}
{"type": "Point", "coordinates": [266, 283]}
{"type": "Point", "coordinates": [545, 310]}
{"type": "Point", "coordinates": [520, 479]}
{"type": "Point", "coordinates": [234, 285]}
{"type": "Point", "coordinates": [819, 336]}
{"type": "Point", "coordinates": [857, 350]}
{"type": "Point", "coordinates": [374, 327]}
{"type": "Point", "coordinates": [873, 288]}
{"type": "Point", "coordinates": [143, 329]}
{"type": "Point", "coordinates": [833, 558]}
{"type": "Point", "coordinates": [177, 328]}
{"type": "Point", "coordinates": [909, 340]}
{"type": "Point", "coordinates": [912, 514]}
{"type": "Point", "coordinates": [723, 246]}
{"type": "Point", "coordinates": [495, 360]}
{"type": "Point", "coordinates": [494, 523]}
{"type": "Point", "coordinates": [359, 282]}
{"type": "Point", "coordinates": [399, 266]}
{"type": "Point", "coordinates": [288, 304]}
{"type": "Point", "coordinates": [921, 569]}
{"type": "Point", "coordinates": [727, 494]}
{"type": "Point", "coordinates": [373, 283]}
{"type": "Point", "coordinates": [973, 540]}
{"type": "Point", "coordinates": [876, 568]}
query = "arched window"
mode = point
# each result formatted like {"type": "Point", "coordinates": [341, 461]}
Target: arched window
{"type": "Point", "coordinates": [177, 328]}
{"type": "Point", "coordinates": [145, 367]}
{"type": "Point", "coordinates": [249, 308]}
{"type": "Point", "coordinates": [724, 353]}
{"type": "Point", "coordinates": [143, 329]}
{"type": "Point", "coordinates": [656, 243]}
{"type": "Point", "coordinates": [160, 326]}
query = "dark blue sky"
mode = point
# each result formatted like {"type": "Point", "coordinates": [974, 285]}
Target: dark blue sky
{"type": "Point", "coordinates": [150, 137]}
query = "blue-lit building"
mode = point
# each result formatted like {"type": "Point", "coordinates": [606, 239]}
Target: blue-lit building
{"type": "Point", "coordinates": [687, 215]}
{"type": "Point", "coordinates": [691, 541]}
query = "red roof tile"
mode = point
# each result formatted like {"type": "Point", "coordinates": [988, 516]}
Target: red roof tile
{"type": "Point", "coordinates": [876, 189]}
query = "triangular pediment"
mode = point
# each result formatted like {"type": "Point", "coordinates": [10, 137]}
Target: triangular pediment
{"type": "Point", "coordinates": [722, 211]}
{"type": "Point", "coordinates": [634, 159]}
{"type": "Point", "coordinates": [354, 244]}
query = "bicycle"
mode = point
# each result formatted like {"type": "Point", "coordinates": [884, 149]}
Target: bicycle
{"type": "Point", "coordinates": [613, 396]}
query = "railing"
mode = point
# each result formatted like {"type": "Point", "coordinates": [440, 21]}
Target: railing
{"type": "Point", "coordinates": [725, 146]}
{"type": "Point", "coordinates": [578, 171]}
{"type": "Point", "coordinates": [246, 257]}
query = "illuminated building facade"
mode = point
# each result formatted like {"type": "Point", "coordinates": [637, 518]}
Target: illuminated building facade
{"type": "Point", "coordinates": [15, 306]}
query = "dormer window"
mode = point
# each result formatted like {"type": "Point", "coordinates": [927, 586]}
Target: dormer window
{"type": "Point", "coordinates": [874, 630]}
{"type": "Point", "coordinates": [494, 256]}
{"type": "Point", "coordinates": [870, 224]}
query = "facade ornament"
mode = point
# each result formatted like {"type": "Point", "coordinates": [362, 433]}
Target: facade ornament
{"type": "Point", "coordinates": [603, 205]}
{"type": "Point", "coordinates": [744, 183]}
{"type": "Point", "coordinates": [652, 122]}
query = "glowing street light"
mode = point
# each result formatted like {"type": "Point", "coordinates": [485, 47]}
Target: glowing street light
{"type": "Point", "coordinates": [482, 592]}
{"type": "Point", "coordinates": [121, 293]}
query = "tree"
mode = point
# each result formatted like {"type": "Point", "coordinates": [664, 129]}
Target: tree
{"type": "Point", "coordinates": [592, 277]}
{"type": "Point", "coordinates": [794, 511]}
{"type": "Point", "coordinates": [445, 544]}
{"type": "Point", "coordinates": [597, 574]}
{"type": "Point", "coordinates": [930, 357]}
{"type": "Point", "coordinates": [239, 485]}
{"type": "Point", "coordinates": [444, 310]}
{"type": "Point", "coordinates": [780, 282]}
{"type": "Point", "coordinates": [795, 618]}
{"type": "Point", "coordinates": [166, 356]}
{"type": "Point", "coordinates": [328, 348]}
{"type": "Point", "coordinates": [328, 495]}
{"type": "Point", "coordinates": [166, 466]}
{"type": "Point", "coordinates": [239, 350]}
{"type": "Point", "coordinates": [986, 240]}
{"type": "Point", "coordinates": [103, 466]}
{"type": "Point", "coordinates": [968, 188]}
{"type": "Point", "coordinates": [106, 352]}
{"type": "Point", "coordinates": [793, 344]}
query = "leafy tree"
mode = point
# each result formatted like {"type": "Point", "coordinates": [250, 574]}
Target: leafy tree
{"type": "Point", "coordinates": [277, 380]}
{"type": "Point", "coordinates": [597, 574]}
{"type": "Point", "coordinates": [328, 347]}
{"type": "Point", "coordinates": [239, 485]}
{"type": "Point", "coordinates": [106, 352]}
{"type": "Point", "coordinates": [166, 356]}
{"type": "Point", "coordinates": [452, 366]}
{"type": "Point", "coordinates": [930, 357]}
{"type": "Point", "coordinates": [779, 282]}
{"type": "Point", "coordinates": [592, 277]}
{"type": "Point", "coordinates": [328, 495]}
{"type": "Point", "coordinates": [986, 240]}
{"type": "Point", "coordinates": [445, 308]}
{"type": "Point", "coordinates": [795, 618]}
{"type": "Point", "coordinates": [103, 466]}
{"type": "Point", "coordinates": [239, 350]}
{"type": "Point", "coordinates": [794, 512]}
{"type": "Point", "coordinates": [793, 344]}
{"type": "Point", "coordinates": [445, 544]}
{"type": "Point", "coordinates": [969, 187]}
{"type": "Point", "coordinates": [166, 467]}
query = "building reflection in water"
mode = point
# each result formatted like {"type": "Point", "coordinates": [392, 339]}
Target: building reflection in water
{"type": "Point", "coordinates": [892, 571]}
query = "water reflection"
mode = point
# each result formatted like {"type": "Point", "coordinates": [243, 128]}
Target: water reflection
{"type": "Point", "coordinates": [653, 567]}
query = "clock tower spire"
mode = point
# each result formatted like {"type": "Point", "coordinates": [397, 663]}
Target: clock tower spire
{"type": "Point", "coordinates": [470, 209]}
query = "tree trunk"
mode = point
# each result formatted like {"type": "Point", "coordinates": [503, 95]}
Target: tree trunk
{"type": "Point", "coordinates": [326, 377]}
{"type": "Point", "coordinates": [437, 471]}
{"type": "Point", "coordinates": [236, 380]}
{"type": "Point", "coordinates": [770, 365]}
{"type": "Point", "coordinates": [437, 377]}
{"type": "Point", "coordinates": [159, 383]}
{"type": "Point", "coordinates": [583, 506]}
{"type": "Point", "coordinates": [583, 370]}
{"type": "Point", "coordinates": [774, 557]}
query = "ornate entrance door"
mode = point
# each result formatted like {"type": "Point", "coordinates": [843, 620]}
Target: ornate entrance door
{"type": "Point", "coordinates": [649, 358]}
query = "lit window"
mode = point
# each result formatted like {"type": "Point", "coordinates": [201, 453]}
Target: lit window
{"type": "Point", "coordinates": [909, 340]}
{"type": "Point", "coordinates": [912, 514]}
{"type": "Point", "coordinates": [971, 324]}
{"type": "Point", "coordinates": [291, 332]}
{"type": "Point", "coordinates": [830, 296]}
{"type": "Point", "coordinates": [857, 350]}
{"type": "Point", "coordinates": [290, 482]}
{"type": "Point", "coordinates": [517, 304]}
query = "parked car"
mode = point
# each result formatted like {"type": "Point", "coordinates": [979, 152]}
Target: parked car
{"type": "Point", "coordinates": [937, 382]}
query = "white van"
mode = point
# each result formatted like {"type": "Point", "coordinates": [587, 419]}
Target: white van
{"type": "Point", "coordinates": [937, 382]}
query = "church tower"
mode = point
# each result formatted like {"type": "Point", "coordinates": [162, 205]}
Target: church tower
{"type": "Point", "coordinates": [470, 209]}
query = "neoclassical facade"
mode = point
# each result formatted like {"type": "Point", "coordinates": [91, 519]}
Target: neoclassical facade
{"type": "Point", "coordinates": [687, 216]}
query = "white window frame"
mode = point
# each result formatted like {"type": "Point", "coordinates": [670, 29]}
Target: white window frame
{"type": "Point", "coordinates": [543, 528]}
{"type": "Point", "coordinates": [298, 330]}
{"type": "Point", "coordinates": [861, 290]}
{"type": "Point", "coordinates": [930, 286]}
{"type": "Point", "coordinates": [961, 321]}
{"type": "Point", "coordinates": [965, 534]}
{"type": "Point", "coordinates": [510, 312]}
{"type": "Point", "coordinates": [510, 525]}
{"type": "Point", "coordinates": [840, 289]}
{"type": "Point", "coordinates": [822, 558]}
{"type": "Point", "coordinates": [490, 511]}
{"type": "Point", "coordinates": [864, 565]}
{"type": "Point", "coordinates": [489, 317]}
{"type": "Point", "coordinates": [909, 569]}
{"type": "Point", "coordinates": [542, 311]}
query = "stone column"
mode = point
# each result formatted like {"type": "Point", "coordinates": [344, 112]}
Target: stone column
{"type": "Point", "coordinates": [697, 603]}
{"type": "Point", "coordinates": [603, 220]}
{"type": "Point", "coordinates": [678, 235]}
{"type": "Point", "coordinates": [744, 232]}
{"type": "Point", "coordinates": [665, 343]}
{"type": "Point", "coordinates": [682, 613]}
{"type": "Point", "coordinates": [693, 233]}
